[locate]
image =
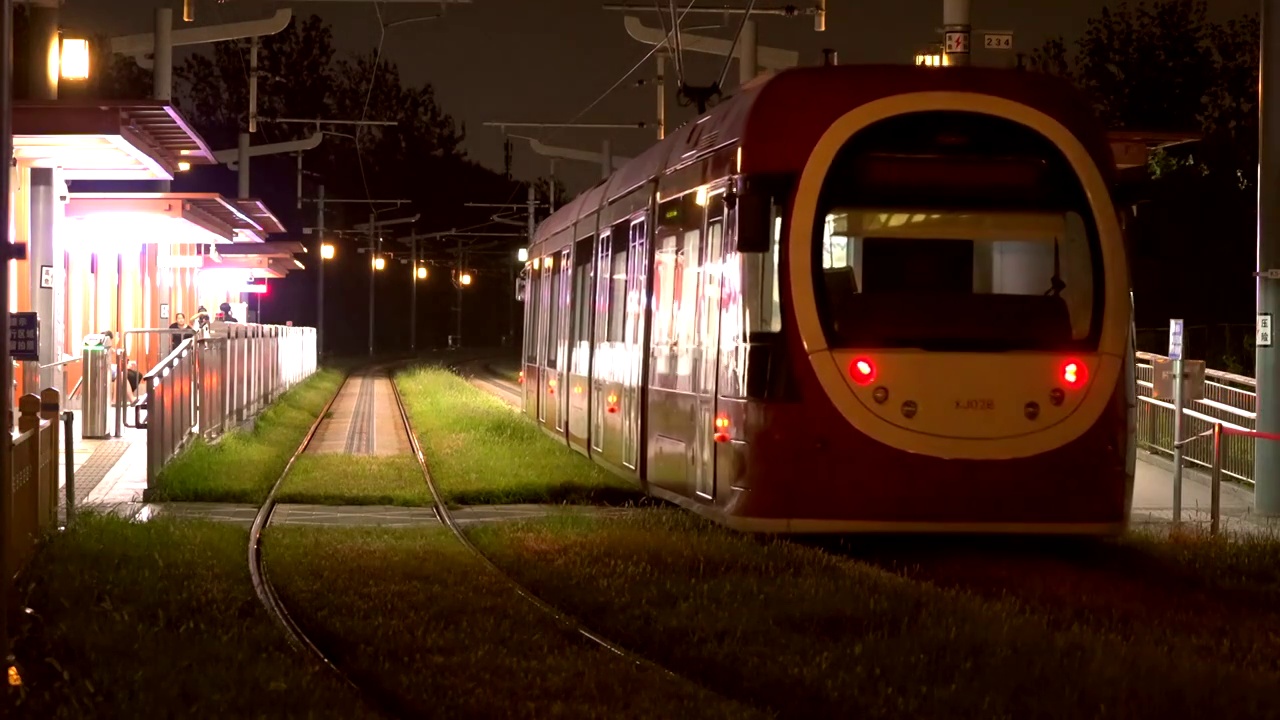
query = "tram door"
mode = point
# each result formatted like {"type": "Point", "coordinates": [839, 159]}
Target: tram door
{"type": "Point", "coordinates": [637, 306]}
{"type": "Point", "coordinates": [706, 373]}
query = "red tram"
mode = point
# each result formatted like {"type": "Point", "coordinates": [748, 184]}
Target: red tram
{"type": "Point", "coordinates": [852, 299]}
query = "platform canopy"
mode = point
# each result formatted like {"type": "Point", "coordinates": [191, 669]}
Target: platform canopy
{"type": "Point", "coordinates": [272, 259]}
{"type": "Point", "coordinates": [96, 140]}
{"type": "Point", "coordinates": [1132, 149]}
{"type": "Point", "coordinates": [205, 218]}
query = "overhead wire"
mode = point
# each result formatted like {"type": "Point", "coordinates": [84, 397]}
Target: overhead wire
{"type": "Point", "coordinates": [724, 72]}
{"type": "Point", "coordinates": [635, 67]}
{"type": "Point", "coordinates": [373, 77]}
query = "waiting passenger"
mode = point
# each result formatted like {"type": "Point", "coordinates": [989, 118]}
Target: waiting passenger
{"type": "Point", "coordinates": [184, 331]}
{"type": "Point", "coordinates": [226, 313]}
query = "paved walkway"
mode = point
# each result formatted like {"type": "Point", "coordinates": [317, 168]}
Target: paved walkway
{"type": "Point", "coordinates": [363, 420]}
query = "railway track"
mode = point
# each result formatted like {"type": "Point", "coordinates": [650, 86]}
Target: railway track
{"type": "Point", "coordinates": [384, 701]}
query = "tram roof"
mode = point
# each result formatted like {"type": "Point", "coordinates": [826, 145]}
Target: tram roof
{"type": "Point", "coordinates": [763, 119]}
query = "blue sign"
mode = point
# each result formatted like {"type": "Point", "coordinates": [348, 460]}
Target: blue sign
{"type": "Point", "coordinates": [1175, 339]}
{"type": "Point", "coordinates": [24, 336]}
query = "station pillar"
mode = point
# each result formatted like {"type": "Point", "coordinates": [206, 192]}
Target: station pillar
{"type": "Point", "coordinates": [46, 272]}
{"type": "Point", "coordinates": [1266, 473]}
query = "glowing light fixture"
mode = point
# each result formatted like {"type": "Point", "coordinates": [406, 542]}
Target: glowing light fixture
{"type": "Point", "coordinates": [465, 279]}
{"type": "Point", "coordinates": [932, 57]}
{"type": "Point", "coordinates": [74, 64]}
{"type": "Point", "coordinates": [1073, 373]}
{"type": "Point", "coordinates": [379, 263]}
{"type": "Point", "coordinates": [862, 371]}
{"type": "Point", "coordinates": [326, 251]}
{"type": "Point", "coordinates": [522, 255]}
{"type": "Point", "coordinates": [701, 197]}
{"type": "Point", "coordinates": [422, 272]}
{"type": "Point", "coordinates": [183, 166]}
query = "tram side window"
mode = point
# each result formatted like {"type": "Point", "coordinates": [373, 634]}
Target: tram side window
{"type": "Point", "coordinates": [533, 306]}
{"type": "Point", "coordinates": [553, 316]}
{"type": "Point", "coordinates": [664, 289]}
{"type": "Point", "coordinates": [618, 291]}
{"type": "Point", "coordinates": [764, 304]}
{"type": "Point", "coordinates": [581, 303]}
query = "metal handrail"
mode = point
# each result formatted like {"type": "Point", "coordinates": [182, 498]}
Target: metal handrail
{"type": "Point", "coordinates": [218, 380]}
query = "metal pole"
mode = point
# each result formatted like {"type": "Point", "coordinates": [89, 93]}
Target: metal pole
{"type": "Point", "coordinates": [320, 265]}
{"type": "Point", "coordinates": [747, 64]}
{"type": "Point", "coordinates": [459, 293]}
{"type": "Point", "coordinates": [299, 192]}
{"type": "Point", "coordinates": [6, 364]}
{"type": "Point", "coordinates": [373, 272]}
{"type": "Point", "coordinates": [253, 84]}
{"type": "Point", "coordinates": [661, 59]}
{"type": "Point", "coordinates": [413, 298]}
{"type": "Point", "coordinates": [242, 167]}
{"type": "Point", "coordinates": [955, 24]}
{"type": "Point", "coordinates": [1266, 467]}
{"type": "Point", "coordinates": [551, 188]}
{"type": "Point", "coordinates": [606, 160]}
{"type": "Point", "coordinates": [162, 66]}
{"type": "Point", "coordinates": [68, 425]}
{"type": "Point", "coordinates": [1215, 478]}
{"type": "Point", "coordinates": [1177, 441]}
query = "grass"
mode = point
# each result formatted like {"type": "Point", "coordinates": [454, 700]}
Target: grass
{"type": "Point", "coordinates": [158, 620]}
{"type": "Point", "coordinates": [336, 479]}
{"type": "Point", "coordinates": [813, 633]}
{"type": "Point", "coordinates": [411, 611]}
{"type": "Point", "coordinates": [481, 452]}
{"type": "Point", "coordinates": [242, 465]}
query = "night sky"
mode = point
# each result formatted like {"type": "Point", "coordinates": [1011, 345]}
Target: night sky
{"type": "Point", "coordinates": [546, 60]}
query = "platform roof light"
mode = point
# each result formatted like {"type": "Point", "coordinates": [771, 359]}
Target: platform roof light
{"type": "Point", "coordinates": [523, 255]}
{"type": "Point", "coordinates": [379, 263]}
{"type": "Point", "coordinates": [465, 279]}
{"type": "Point", "coordinates": [74, 64]}
{"type": "Point", "coordinates": [326, 251]}
{"type": "Point", "coordinates": [422, 272]}
{"type": "Point", "coordinates": [183, 166]}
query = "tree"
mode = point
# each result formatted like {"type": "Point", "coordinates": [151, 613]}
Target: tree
{"type": "Point", "coordinates": [419, 158]}
{"type": "Point", "coordinates": [1167, 67]}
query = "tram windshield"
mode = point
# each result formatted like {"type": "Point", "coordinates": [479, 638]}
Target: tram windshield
{"type": "Point", "coordinates": [955, 280]}
{"type": "Point", "coordinates": [960, 232]}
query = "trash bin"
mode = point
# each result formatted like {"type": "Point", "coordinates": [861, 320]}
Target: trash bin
{"type": "Point", "coordinates": [96, 365]}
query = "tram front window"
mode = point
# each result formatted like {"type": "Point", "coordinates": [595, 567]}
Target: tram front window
{"type": "Point", "coordinates": [956, 280]}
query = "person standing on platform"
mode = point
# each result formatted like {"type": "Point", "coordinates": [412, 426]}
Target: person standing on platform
{"type": "Point", "coordinates": [184, 331]}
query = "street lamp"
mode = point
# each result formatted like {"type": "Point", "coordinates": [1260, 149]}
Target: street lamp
{"type": "Point", "coordinates": [326, 251]}
{"type": "Point", "coordinates": [523, 255]}
{"type": "Point", "coordinates": [422, 272]}
{"type": "Point", "coordinates": [379, 263]}
{"type": "Point", "coordinates": [465, 279]}
{"type": "Point", "coordinates": [74, 61]}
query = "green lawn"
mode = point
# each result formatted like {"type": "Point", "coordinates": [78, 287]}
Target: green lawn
{"type": "Point", "coordinates": [336, 479]}
{"type": "Point", "coordinates": [813, 633]}
{"type": "Point", "coordinates": [413, 612]}
{"type": "Point", "coordinates": [481, 452]}
{"type": "Point", "coordinates": [242, 465]}
{"type": "Point", "coordinates": [158, 620]}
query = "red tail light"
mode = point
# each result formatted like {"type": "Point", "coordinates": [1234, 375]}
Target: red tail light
{"type": "Point", "coordinates": [612, 404]}
{"type": "Point", "coordinates": [521, 379]}
{"type": "Point", "coordinates": [1074, 373]}
{"type": "Point", "coordinates": [722, 429]}
{"type": "Point", "coordinates": [862, 371]}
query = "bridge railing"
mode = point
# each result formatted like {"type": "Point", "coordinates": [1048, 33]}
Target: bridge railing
{"type": "Point", "coordinates": [1229, 399]}
{"type": "Point", "coordinates": [220, 380]}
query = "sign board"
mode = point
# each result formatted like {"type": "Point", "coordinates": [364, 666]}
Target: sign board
{"type": "Point", "coordinates": [1264, 330]}
{"type": "Point", "coordinates": [1162, 380]}
{"type": "Point", "coordinates": [998, 41]}
{"type": "Point", "coordinates": [24, 336]}
{"type": "Point", "coordinates": [1175, 339]}
{"type": "Point", "coordinates": [956, 43]}
{"type": "Point", "coordinates": [1273, 274]}
{"type": "Point", "coordinates": [46, 277]}
{"type": "Point", "coordinates": [164, 311]}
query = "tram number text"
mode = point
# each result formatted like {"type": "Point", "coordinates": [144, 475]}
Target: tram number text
{"type": "Point", "coordinates": [998, 41]}
{"type": "Point", "coordinates": [980, 404]}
